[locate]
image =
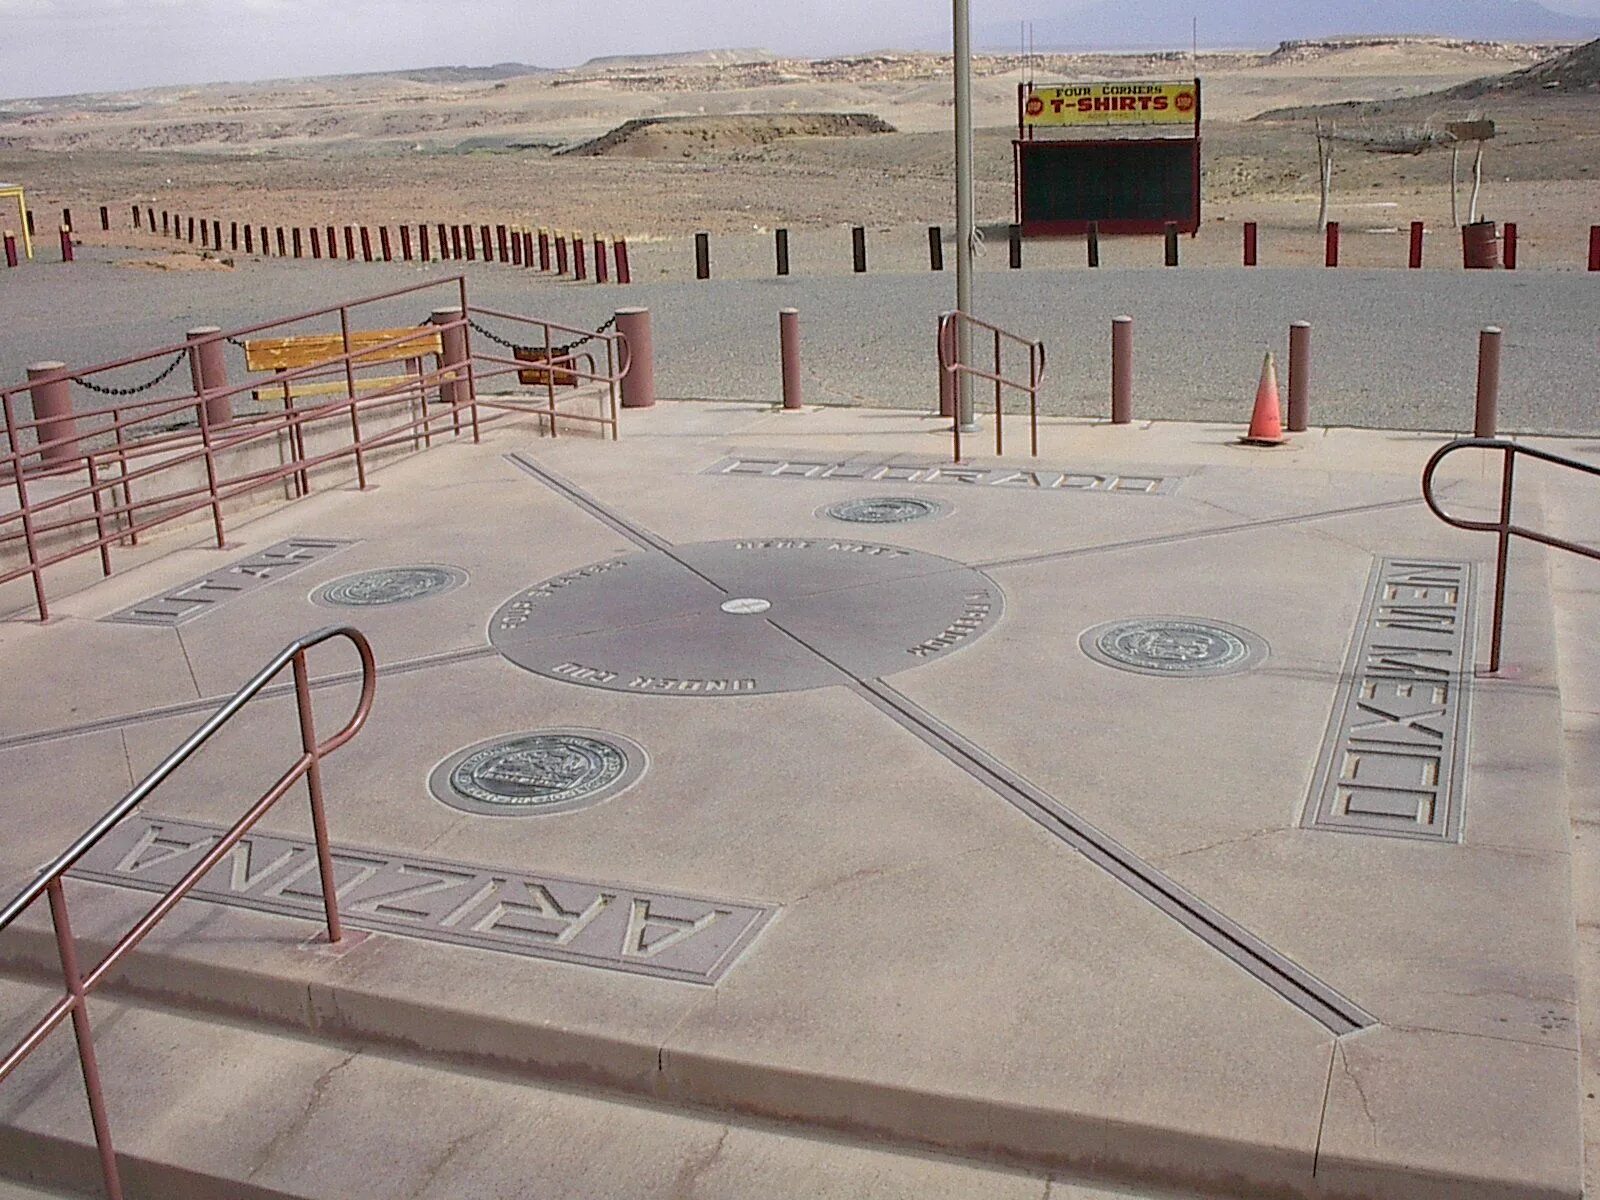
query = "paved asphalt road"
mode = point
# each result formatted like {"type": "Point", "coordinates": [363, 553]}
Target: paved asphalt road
{"type": "Point", "coordinates": [1393, 348]}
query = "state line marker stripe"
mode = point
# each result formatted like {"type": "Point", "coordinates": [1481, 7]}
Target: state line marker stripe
{"type": "Point", "coordinates": [1299, 987]}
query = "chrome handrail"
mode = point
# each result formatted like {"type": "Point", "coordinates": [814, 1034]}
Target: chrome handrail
{"type": "Point", "coordinates": [1505, 529]}
{"type": "Point", "coordinates": [49, 881]}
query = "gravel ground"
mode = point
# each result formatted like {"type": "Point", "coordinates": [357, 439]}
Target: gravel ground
{"type": "Point", "coordinates": [1393, 349]}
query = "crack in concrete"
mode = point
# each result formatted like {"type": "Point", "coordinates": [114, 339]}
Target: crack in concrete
{"type": "Point", "coordinates": [1227, 841]}
{"type": "Point", "coordinates": [1172, 539]}
{"type": "Point", "coordinates": [1361, 1094]}
{"type": "Point", "coordinates": [319, 1090]}
{"type": "Point", "coordinates": [884, 872]}
{"type": "Point", "coordinates": [691, 1172]}
{"type": "Point", "coordinates": [1478, 1037]}
{"type": "Point", "coordinates": [430, 1172]}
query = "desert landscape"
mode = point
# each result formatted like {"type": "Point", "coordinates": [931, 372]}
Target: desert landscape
{"type": "Point", "coordinates": [737, 143]}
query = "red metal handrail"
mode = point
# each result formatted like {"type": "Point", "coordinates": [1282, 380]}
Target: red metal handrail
{"type": "Point", "coordinates": [1504, 528]}
{"type": "Point", "coordinates": [619, 360]}
{"type": "Point", "coordinates": [97, 508]}
{"type": "Point", "coordinates": [50, 880]}
{"type": "Point", "coordinates": [948, 343]}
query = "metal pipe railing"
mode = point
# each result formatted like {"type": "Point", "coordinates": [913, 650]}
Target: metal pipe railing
{"type": "Point", "coordinates": [89, 502]}
{"type": "Point", "coordinates": [49, 882]}
{"type": "Point", "coordinates": [948, 342]}
{"type": "Point", "coordinates": [1504, 528]}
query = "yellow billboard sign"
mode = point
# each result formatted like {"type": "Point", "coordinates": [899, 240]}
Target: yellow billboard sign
{"type": "Point", "coordinates": [1123, 103]}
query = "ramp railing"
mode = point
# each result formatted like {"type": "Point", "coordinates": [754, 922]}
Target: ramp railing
{"type": "Point", "coordinates": [1504, 528]}
{"type": "Point", "coordinates": [952, 369]}
{"type": "Point", "coordinates": [50, 880]}
{"type": "Point", "coordinates": [76, 483]}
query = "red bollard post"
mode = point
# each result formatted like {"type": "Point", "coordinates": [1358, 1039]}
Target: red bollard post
{"type": "Point", "coordinates": [11, 249]}
{"type": "Point", "coordinates": [205, 236]}
{"type": "Point", "coordinates": [405, 243]}
{"type": "Point", "coordinates": [249, 239]}
{"type": "Point", "coordinates": [51, 392]}
{"type": "Point", "coordinates": [299, 243]}
{"type": "Point", "coordinates": [1510, 253]}
{"type": "Point", "coordinates": [366, 245]}
{"type": "Point", "coordinates": [166, 223]}
{"type": "Point", "coordinates": [1299, 376]}
{"type": "Point", "coordinates": [105, 219]}
{"type": "Point", "coordinates": [639, 384]}
{"type": "Point", "coordinates": [488, 249]}
{"type": "Point", "coordinates": [66, 243]}
{"type": "Point", "coordinates": [561, 255]}
{"type": "Point", "coordinates": [500, 242]}
{"type": "Point", "coordinates": [191, 231]}
{"type": "Point", "coordinates": [455, 242]}
{"type": "Point", "coordinates": [602, 273]}
{"type": "Point", "coordinates": [1121, 370]}
{"type": "Point", "coordinates": [789, 348]}
{"type": "Point", "coordinates": [233, 235]}
{"type": "Point", "coordinates": [444, 242]}
{"type": "Point", "coordinates": [619, 250]}
{"type": "Point", "coordinates": [216, 235]}
{"type": "Point", "coordinates": [209, 371]}
{"type": "Point", "coordinates": [527, 249]}
{"type": "Point", "coordinates": [316, 243]}
{"type": "Point", "coordinates": [580, 266]}
{"type": "Point", "coordinates": [283, 249]}
{"type": "Point", "coordinates": [350, 243]}
{"type": "Point", "coordinates": [1416, 245]}
{"type": "Point", "coordinates": [1331, 257]}
{"type": "Point", "coordinates": [544, 249]}
{"type": "Point", "coordinates": [467, 240]}
{"type": "Point", "coordinates": [1486, 416]}
{"type": "Point", "coordinates": [264, 250]}
{"type": "Point", "coordinates": [516, 247]}
{"type": "Point", "coordinates": [422, 243]}
{"type": "Point", "coordinates": [456, 390]}
{"type": "Point", "coordinates": [383, 243]}
{"type": "Point", "coordinates": [138, 217]}
{"type": "Point", "coordinates": [1594, 247]}
{"type": "Point", "coordinates": [1250, 243]}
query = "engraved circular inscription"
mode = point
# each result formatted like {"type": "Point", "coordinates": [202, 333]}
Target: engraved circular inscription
{"type": "Point", "coordinates": [883, 510]}
{"type": "Point", "coordinates": [1173, 646]}
{"type": "Point", "coordinates": [388, 585]}
{"type": "Point", "coordinates": [532, 774]}
{"type": "Point", "coordinates": [828, 611]}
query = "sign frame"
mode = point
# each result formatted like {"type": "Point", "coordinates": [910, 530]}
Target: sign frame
{"type": "Point", "coordinates": [1033, 155]}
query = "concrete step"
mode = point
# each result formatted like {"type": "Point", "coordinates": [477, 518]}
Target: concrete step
{"type": "Point", "coordinates": [202, 1108]}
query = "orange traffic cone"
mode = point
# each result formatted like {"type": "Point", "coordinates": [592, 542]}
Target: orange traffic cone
{"type": "Point", "coordinates": [1266, 423]}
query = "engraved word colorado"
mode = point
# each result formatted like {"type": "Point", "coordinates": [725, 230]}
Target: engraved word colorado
{"type": "Point", "coordinates": [539, 916]}
{"type": "Point", "coordinates": [1393, 761]}
{"type": "Point", "coordinates": [890, 471]}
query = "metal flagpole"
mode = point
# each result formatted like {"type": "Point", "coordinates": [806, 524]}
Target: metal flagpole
{"type": "Point", "coordinates": [964, 230]}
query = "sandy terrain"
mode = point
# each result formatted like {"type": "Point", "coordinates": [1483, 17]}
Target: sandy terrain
{"type": "Point", "coordinates": [432, 146]}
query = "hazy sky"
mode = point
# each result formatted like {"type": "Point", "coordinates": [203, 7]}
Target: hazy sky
{"type": "Point", "coordinates": [51, 47]}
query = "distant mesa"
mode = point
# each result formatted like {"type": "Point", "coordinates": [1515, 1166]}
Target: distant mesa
{"type": "Point", "coordinates": [687, 58]}
{"type": "Point", "coordinates": [1574, 72]}
{"type": "Point", "coordinates": [689, 137]}
{"type": "Point", "coordinates": [1170, 24]}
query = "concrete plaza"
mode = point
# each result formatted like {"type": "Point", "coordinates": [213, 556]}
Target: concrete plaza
{"type": "Point", "coordinates": [1133, 820]}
